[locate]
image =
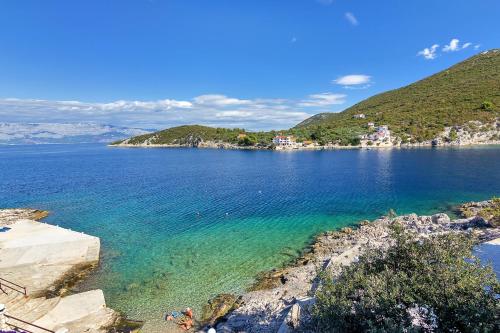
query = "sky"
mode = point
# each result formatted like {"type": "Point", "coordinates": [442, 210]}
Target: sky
{"type": "Point", "coordinates": [256, 64]}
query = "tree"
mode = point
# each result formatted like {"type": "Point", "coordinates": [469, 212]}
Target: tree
{"type": "Point", "coordinates": [435, 282]}
{"type": "Point", "coordinates": [247, 141]}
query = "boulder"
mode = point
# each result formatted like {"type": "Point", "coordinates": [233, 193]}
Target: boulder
{"type": "Point", "coordinates": [440, 218]}
{"type": "Point", "coordinates": [218, 307]}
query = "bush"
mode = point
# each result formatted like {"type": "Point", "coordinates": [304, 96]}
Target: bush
{"type": "Point", "coordinates": [492, 213]}
{"type": "Point", "coordinates": [487, 106]}
{"type": "Point", "coordinates": [247, 141]}
{"type": "Point", "coordinates": [453, 135]}
{"type": "Point", "coordinates": [414, 286]}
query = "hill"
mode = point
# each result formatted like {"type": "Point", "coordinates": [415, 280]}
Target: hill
{"type": "Point", "coordinates": [467, 91]}
{"type": "Point", "coordinates": [193, 135]}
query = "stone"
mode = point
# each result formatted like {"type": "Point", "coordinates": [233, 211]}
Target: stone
{"type": "Point", "coordinates": [440, 218]}
{"type": "Point", "coordinates": [218, 307]}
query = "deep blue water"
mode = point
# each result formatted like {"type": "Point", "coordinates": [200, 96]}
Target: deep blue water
{"type": "Point", "coordinates": [180, 225]}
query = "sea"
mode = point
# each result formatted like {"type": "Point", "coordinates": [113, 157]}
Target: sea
{"type": "Point", "coordinates": [179, 226]}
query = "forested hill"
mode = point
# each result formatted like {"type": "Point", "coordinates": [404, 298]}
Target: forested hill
{"type": "Point", "coordinates": [469, 90]}
{"type": "Point", "coordinates": [192, 135]}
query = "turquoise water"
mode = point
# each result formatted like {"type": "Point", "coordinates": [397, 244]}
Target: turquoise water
{"type": "Point", "coordinates": [178, 226]}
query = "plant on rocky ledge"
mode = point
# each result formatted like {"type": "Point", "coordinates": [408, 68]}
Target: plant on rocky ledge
{"type": "Point", "coordinates": [453, 135]}
{"type": "Point", "coordinates": [487, 105]}
{"type": "Point", "coordinates": [492, 213]}
{"type": "Point", "coordinates": [430, 285]}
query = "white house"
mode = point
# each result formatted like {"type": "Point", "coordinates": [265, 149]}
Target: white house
{"type": "Point", "coordinates": [281, 140]}
{"type": "Point", "coordinates": [359, 116]}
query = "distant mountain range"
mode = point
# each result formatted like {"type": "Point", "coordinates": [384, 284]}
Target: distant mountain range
{"type": "Point", "coordinates": [84, 132]}
{"type": "Point", "coordinates": [420, 112]}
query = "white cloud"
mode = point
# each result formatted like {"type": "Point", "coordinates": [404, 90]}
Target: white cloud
{"type": "Point", "coordinates": [351, 18]}
{"type": "Point", "coordinates": [219, 100]}
{"type": "Point", "coordinates": [466, 45]}
{"type": "Point", "coordinates": [322, 100]}
{"type": "Point", "coordinates": [353, 80]}
{"type": "Point", "coordinates": [233, 114]}
{"type": "Point", "coordinates": [477, 46]}
{"type": "Point", "coordinates": [209, 109]}
{"type": "Point", "coordinates": [453, 46]}
{"type": "Point", "coordinates": [429, 53]}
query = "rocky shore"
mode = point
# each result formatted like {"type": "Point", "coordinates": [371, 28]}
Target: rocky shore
{"type": "Point", "coordinates": [469, 134]}
{"type": "Point", "coordinates": [282, 298]}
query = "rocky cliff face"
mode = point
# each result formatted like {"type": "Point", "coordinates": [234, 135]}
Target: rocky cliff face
{"type": "Point", "coordinates": [474, 132]}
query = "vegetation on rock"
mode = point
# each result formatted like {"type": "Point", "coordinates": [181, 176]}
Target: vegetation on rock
{"type": "Point", "coordinates": [492, 213]}
{"type": "Point", "coordinates": [432, 284]}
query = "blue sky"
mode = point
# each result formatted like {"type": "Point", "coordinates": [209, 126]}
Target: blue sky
{"type": "Point", "coordinates": [253, 64]}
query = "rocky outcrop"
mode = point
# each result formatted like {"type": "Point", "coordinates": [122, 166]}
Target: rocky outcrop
{"type": "Point", "coordinates": [218, 307]}
{"type": "Point", "coordinates": [9, 216]}
{"type": "Point", "coordinates": [287, 304]}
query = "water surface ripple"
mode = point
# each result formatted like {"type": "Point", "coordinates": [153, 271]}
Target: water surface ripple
{"type": "Point", "coordinates": [180, 225]}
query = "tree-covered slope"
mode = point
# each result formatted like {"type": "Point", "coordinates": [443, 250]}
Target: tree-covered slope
{"type": "Point", "coordinates": [467, 91]}
{"type": "Point", "coordinates": [191, 135]}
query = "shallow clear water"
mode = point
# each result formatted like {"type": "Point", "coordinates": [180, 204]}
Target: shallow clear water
{"type": "Point", "coordinates": [178, 226]}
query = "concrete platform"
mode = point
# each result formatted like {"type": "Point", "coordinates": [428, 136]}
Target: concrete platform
{"type": "Point", "coordinates": [37, 254]}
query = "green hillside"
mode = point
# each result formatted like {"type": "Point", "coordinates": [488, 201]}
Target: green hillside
{"type": "Point", "coordinates": [192, 134]}
{"type": "Point", "coordinates": [469, 90]}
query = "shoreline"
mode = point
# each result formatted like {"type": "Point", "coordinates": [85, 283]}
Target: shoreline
{"type": "Point", "coordinates": [315, 148]}
{"type": "Point", "coordinates": [269, 301]}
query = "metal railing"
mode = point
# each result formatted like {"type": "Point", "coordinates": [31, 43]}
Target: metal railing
{"type": "Point", "coordinates": [12, 286]}
{"type": "Point", "coordinates": [9, 323]}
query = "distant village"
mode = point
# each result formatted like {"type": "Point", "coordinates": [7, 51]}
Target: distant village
{"type": "Point", "coordinates": [380, 136]}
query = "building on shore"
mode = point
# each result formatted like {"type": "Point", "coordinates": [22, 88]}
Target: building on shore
{"type": "Point", "coordinates": [282, 140]}
{"type": "Point", "coordinates": [381, 135]}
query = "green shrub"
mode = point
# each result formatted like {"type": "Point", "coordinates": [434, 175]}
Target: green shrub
{"type": "Point", "coordinates": [487, 105]}
{"type": "Point", "coordinates": [434, 276]}
{"type": "Point", "coordinates": [247, 141]}
{"type": "Point", "coordinates": [453, 135]}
